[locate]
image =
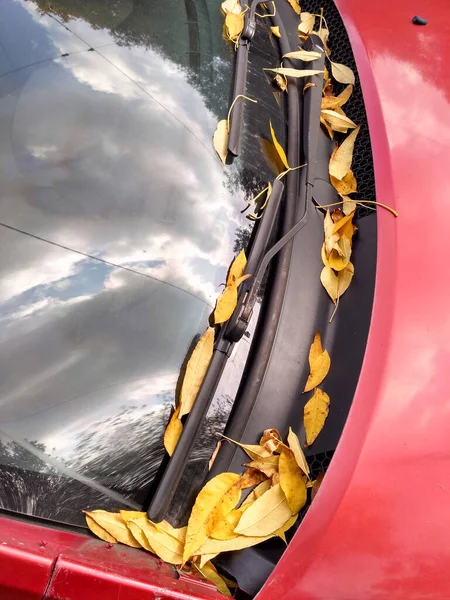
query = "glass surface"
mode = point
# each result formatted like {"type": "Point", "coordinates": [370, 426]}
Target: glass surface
{"type": "Point", "coordinates": [117, 226]}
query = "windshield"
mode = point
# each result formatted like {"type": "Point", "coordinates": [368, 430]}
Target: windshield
{"type": "Point", "coordinates": [118, 223]}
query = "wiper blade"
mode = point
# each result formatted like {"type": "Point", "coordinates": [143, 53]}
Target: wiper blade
{"type": "Point", "coordinates": [240, 78]}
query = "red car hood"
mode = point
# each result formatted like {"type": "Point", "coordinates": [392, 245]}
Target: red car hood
{"type": "Point", "coordinates": [379, 527]}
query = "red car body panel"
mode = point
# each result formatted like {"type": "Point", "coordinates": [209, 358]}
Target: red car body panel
{"type": "Point", "coordinates": [379, 527]}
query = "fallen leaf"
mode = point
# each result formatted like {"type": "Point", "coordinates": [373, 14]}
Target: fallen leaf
{"type": "Point", "coordinates": [204, 558]}
{"type": "Point", "coordinates": [315, 413]}
{"type": "Point", "coordinates": [275, 478]}
{"type": "Point", "coordinates": [207, 500]}
{"type": "Point", "coordinates": [307, 21]}
{"type": "Point", "coordinates": [241, 541]}
{"type": "Point", "coordinates": [250, 478]}
{"type": "Point", "coordinates": [341, 161]}
{"type": "Point", "coordinates": [231, 6]}
{"type": "Point", "coordinates": [336, 120]}
{"type": "Point", "coordinates": [295, 5]}
{"type": "Point", "coordinates": [224, 529]}
{"type": "Point", "coordinates": [316, 485]}
{"type": "Point", "coordinates": [331, 102]}
{"type": "Point", "coordinates": [276, 31]}
{"type": "Point", "coordinates": [345, 186]}
{"type": "Point", "coordinates": [291, 480]}
{"type": "Point", "coordinates": [132, 514]}
{"type": "Point", "coordinates": [234, 24]}
{"type": "Point", "coordinates": [98, 530]}
{"type": "Point", "coordinates": [328, 128]}
{"type": "Point", "coordinates": [255, 451]}
{"type": "Point", "coordinates": [237, 267]}
{"type": "Point", "coordinates": [267, 514]}
{"type": "Point", "coordinates": [173, 432]}
{"type": "Point", "coordinates": [178, 533]}
{"type": "Point", "coordinates": [307, 86]}
{"type": "Point", "coordinates": [279, 148]}
{"type": "Point", "coordinates": [318, 371]}
{"type": "Point", "coordinates": [195, 371]}
{"type": "Point", "coordinates": [294, 445]}
{"type": "Point", "coordinates": [271, 157]}
{"type": "Point", "coordinates": [342, 73]}
{"type": "Point", "coordinates": [113, 524]}
{"type": "Point", "coordinates": [334, 284]}
{"type": "Point", "coordinates": [270, 440]}
{"type": "Point", "coordinates": [210, 573]}
{"type": "Point", "coordinates": [280, 82]}
{"type": "Point", "coordinates": [304, 55]}
{"type": "Point", "coordinates": [340, 256]}
{"type": "Point", "coordinates": [167, 547]}
{"type": "Point", "coordinates": [268, 466]}
{"type": "Point", "coordinates": [348, 205]}
{"type": "Point", "coordinates": [324, 34]}
{"type": "Point", "coordinates": [341, 224]}
{"type": "Point", "coordinates": [227, 301]}
{"type": "Point", "coordinates": [138, 533]}
{"type": "Point", "coordinates": [257, 492]}
{"type": "Point", "coordinates": [295, 72]}
{"type": "Point", "coordinates": [220, 140]}
{"type": "Point", "coordinates": [331, 239]}
{"type": "Point", "coordinates": [319, 364]}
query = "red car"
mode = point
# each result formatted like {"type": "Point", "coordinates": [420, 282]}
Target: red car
{"type": "Point", "coordinates": [118, 223]}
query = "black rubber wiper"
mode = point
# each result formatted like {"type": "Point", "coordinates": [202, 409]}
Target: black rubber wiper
{"type": "Point", "coordinates": [240, 78]}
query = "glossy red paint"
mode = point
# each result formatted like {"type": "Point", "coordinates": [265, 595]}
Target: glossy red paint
{"type": "Point", "coordinates": [379, 527]}
{"type": "Point", "coordinates": [38, 562]}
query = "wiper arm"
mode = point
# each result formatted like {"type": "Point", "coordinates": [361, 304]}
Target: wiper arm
{"type": "Point", "coordinates": [240, 78]}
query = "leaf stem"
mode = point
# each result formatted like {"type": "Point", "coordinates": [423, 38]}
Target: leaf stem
{"type": "Point", "coordinates": [283, 173]}
{"type": "Point", "coordinates": [232, 106]}
{"type": "Point", "coordinates": [362, 203]}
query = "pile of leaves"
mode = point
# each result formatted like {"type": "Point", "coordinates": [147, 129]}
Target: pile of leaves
{"type": "Point", "coordinates": [234, 511]}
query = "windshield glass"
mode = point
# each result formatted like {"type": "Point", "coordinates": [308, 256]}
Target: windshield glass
{"type": "Point", "coordinates": [118, 223]}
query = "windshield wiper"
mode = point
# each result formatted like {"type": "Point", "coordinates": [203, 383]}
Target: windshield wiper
{"type": "Point", "coordinates": [258, 262]}
{"type": "Point", "coordinates": [240, 78]}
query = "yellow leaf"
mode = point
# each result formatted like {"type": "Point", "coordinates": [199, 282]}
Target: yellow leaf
{"type": "Point", "coordinates": [250, 478]}
{"type": "Point", "coordinates": [332, 102]}
{"type": "Point", "coordinates": [331, 238]}
{"type": "Point", "coordinates": [336, 120]}
{"type": "Point", "coordinates": [315, 351]}
{"type": "Point", "coordinates": [341, 223]}
{"type": "Point", "coordinates": [328, 128]}
{"type": "Point", "coordinates": [281, 83]}
{"type": "Point", "coordinates": [204, 558]}
{"type": "Point", "coordinates": [295, 73]}
{"type": "Point", "coordinates": [99, 531]}
{"type": "Point", "coordinates": [270, 440]}
{"type": "Point", "coordinates": [291, 480]}
{"type": "Point", "coordinates": [225, 304]}
{"type": "Point", "coordinates": [226, 504]}
{"type": "Point", "coordinates": [267, 514]}
{"type": "Point", "coordinates": [307, 21]}
{"type": "Point", "coordinates": [234, 24]}
{"type": "Point", "coordinates": [344, 186]}
{"type": "Point", "coordinates": [132, 514]}
{"type": "Point", "coordinates": [231, 6]}
{"type": "Point", "coordinates": [340, 255]}
{"type": "Point", "coordinates": [220, 140]}
{"type": "Point", "coordinates": [178, 533]}
{"type": "Point", "coordinates": [254, 451]}
{"type": "Point", "coordinates": [341, 161]}
{"type": "Point", "coordinates": [257, 492]}
{"type": "Point", "coordinates": [276, 143]}
{"type": "Point", "coordinates": [241, 541]}
{"type": "Point", "coordinates": [209, 572]}
{"type": "Point", "coordinates": [294, 445]}
{"type": "Point", "coordinates": [348, 205]}
{"type": "Point", "coordinates": [304, 55]}
{"type": "Point", "coordinates": [295, 5]}
{"type": "Point", "coordinates": [167, 547]}
{"type": "Point", "coordinates": [268, 466]}
{"type": "Point", "coordinates": [207, 500]}
{"type": "Point", "coordinates": [318, 370]}
{"type": "Point", "coordinates": [237, 267]}
{"type": "Point", "coordinates": [334, 284]}
{"type": "Point", "coordinates": [315, 413]}
{"type": "Point", "coordinates": [134, 527]}
{"type": "Point", "coordinates": [224, 529]}
{"type": "Point", "coordinates": [173, 432]}
{"type": "Point", "coordinates": [276, 31]}
{"type": "Point", "coordinates": [113, 524]}
{"type": "Point", "coordinates": [324, 34]}
{"type": "Point", "coordinates": [195, 371]}
{"type": "Point", "coordinates": [342, 73]}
